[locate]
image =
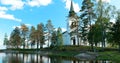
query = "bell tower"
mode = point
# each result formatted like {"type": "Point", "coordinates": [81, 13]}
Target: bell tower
{"type": "Point", "coordinates": [72, 25]}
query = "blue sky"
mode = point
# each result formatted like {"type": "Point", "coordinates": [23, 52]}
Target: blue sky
{"type": "Point", "coordinates": [33, 12]}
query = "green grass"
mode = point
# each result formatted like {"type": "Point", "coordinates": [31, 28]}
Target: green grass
{"type": "Point", "coordinates": [109, 55]}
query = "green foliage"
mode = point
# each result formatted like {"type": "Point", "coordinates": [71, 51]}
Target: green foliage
{"type": "Point", "coordinates": [104, 13]}
{"type": "Point", "coordinates": [50, 30]}
{"type": "Point", "coordinates": [24, 33]}
{"type": "Point", "coordinates": [59, 38]}
{"type": "Point", "coordinates": [15, 38]}
{"type": "Point", "coordinates": [6, 41]}
{"type": "Point", "coordinates": [41, 35]}
{"type": "Point", "coordinates": [49, 26]}
{"type": "Point", "coordinates": [53, 39]}
{"type": "Point", "coordinates": [32, 35]}
{"type": "Point", "coordinates": [116, 31]}
{"type": "Point", "coordinates": [87, 16]}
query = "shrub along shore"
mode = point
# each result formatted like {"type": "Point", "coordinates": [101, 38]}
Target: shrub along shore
{"type": "Point", "coordinates": [71, 51]}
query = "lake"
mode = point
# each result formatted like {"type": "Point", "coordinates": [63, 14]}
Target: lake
{"type": "Point", "coordinates": [37, 58]}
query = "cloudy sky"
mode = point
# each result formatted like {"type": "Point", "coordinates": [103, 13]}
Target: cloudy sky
{"type": "Point", "coordinates": [33, 12]}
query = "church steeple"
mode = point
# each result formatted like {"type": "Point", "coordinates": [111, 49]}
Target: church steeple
{"type": "Point", "coordinates": [71, 7]}
{"type": "Point", "coordinates": [71, 12]}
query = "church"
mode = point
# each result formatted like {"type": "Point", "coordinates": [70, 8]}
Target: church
{"type": "Point", "coordinates": [71, 36]}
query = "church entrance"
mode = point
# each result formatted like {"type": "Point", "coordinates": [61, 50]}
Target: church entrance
{"type": "Point", "coordinates": [74, 41]}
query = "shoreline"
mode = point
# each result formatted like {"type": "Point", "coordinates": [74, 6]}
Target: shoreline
{"type": "Point", "coordinates": [112, 55]}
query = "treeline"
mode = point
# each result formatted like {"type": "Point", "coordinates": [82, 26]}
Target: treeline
{"type": "Point", "coordinates": [95, 24]}
{"type": "Point", "coordinates": [24, 37]}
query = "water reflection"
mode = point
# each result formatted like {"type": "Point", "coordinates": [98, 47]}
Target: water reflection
{"type": "Point", "coordinates": [37, 58]}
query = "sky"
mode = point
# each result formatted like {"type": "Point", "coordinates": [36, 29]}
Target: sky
{"type": "Point", "coordinates": [32, 12]}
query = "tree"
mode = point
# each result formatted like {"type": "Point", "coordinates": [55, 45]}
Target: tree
{"type": "Point", "coordinates": [59, 38]}
{"type": "Point", "coordinates": [6, 41]}
{"type": "Point", "coordinates": [104, 13]}
{"type": "Point", "coordinates": [97, 33]}
{"type": "Point", "coordinates": [42, 38]}
{"type": "Point", "coordinates": [91, 36]}
{"type": "Point", "coordinates": [15, 38]}
{"type": "Point", "coordinates": [40, 35]}
{"type": "Point", "coordinates": [116, 30]}
{"type": "Point", "coordinates": [53, 39]}
{"type": "Point", "coordinates": [32, 35]}
{"type": "Point", "coordinates": [110, 35]}
{"type": "Point", "coordinates": [50, 29]}
{"type": "Point", "coordinates": [87, 17]}
{"type": "Point", "coordinates": [24, 30]}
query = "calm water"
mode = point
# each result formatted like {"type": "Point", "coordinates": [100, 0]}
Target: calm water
{"type": "Point", "coordinates": [37, 58]}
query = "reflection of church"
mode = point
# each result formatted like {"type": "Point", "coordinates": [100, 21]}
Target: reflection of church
{"type": "Point", "coordinates": [70, 37]}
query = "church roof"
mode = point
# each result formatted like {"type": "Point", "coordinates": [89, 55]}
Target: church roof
{"type": "Point", "coordinates": [71, 12]}
{"type": "Point", "coordinates": [71, 7]}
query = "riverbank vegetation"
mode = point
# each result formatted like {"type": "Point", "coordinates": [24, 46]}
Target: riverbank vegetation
{"type": "Point", "coordinates": [111, 54]}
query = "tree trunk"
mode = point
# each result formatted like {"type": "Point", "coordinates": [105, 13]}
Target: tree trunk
{"type": "Point", "coordinates": [78, 39]}
{"type": "Point", "coordinates": [119, 46]}
{"type": "Point", "coordinates": [41, 46]}
{"type": "Point", "coordinates": [24, 43]}
{"type": "Point", "coordinates": [48, 41]}
{"type": "Point", "coordinates": [92, 47]}
{"type": "Point", "coordinates": [23, 46]}
{"type": "Point", "coordinates": [37, 44]}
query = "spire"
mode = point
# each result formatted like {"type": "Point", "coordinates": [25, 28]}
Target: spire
{"type": "Point", "coordinates": [71, 12]}
{"type": "Point", "coordinates": [71, 7]}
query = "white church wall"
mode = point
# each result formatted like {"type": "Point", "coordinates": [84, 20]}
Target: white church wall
{"type": "Point", "coordinates": [66, 38]}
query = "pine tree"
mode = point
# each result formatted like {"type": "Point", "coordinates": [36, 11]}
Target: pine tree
{"type": "Point", "coordinates": [116, 31]}
{"type": "Point", "coordinates": [50, 30]}
{"type": "Point", "coordinates": [42, 38]}
{"type": "Point", "coordinates": [59, 38]}
{"type": "Point", "coordinates": [53, 39]}
{"type": "Point", "coordinates": [87, 17]}
{"type": "Point", "coordinates": [32, 36]}
{"type": "Point", "coordinates": [6, 41]}
{"type": "Point", "coordinates": [24, 33]}
{"type": "Point", "coordinates": [15, 38]}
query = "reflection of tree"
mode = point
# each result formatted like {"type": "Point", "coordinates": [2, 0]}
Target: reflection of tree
{"type": "Point", "coordinates": [32, 58]}
{"type": "Point", "coordinates": [41, 61]}
{"type": "Point", "coordinates": [56, 59]}
{"type": "Point", "coordinates": [10, 58]}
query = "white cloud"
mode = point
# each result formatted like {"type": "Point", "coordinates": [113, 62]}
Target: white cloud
{"type": "Point", "coordinates": [4, 15]}
{"type": "Point", "coordinates": [38, 3]}
{"type": "Point", "coordinates": [14, 4]}
{"type": "Point", "coordinates": [75, 5]}
{"type": "Point", "coordinates": [3, 9]}
{"type": "Point", "coordinates": [28, 25]}
{"type": "Point", "coordinates": [17, 5]}
{"type": "Point", "coordinates": [63, 29]}
{"type": "Point", "coordinates": [16, 26]}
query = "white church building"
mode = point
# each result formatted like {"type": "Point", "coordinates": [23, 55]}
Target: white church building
{"type": "Point", "coordinates": [70, 37]}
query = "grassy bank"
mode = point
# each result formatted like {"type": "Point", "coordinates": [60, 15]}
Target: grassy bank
{"type": "Point", "coordinates": [71, 51]}
{"type": "Point", "coordinates": [109, 55]}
